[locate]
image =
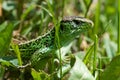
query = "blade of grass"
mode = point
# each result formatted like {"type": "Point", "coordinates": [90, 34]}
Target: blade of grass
{"type": "Point", "coordinates": [19, 8]}
{"type": "Point", "coordinates": [2, 71]}
{"type": "Point", "coordinates": [16, 50]}
{"type": "Point", "coordinates": [95, 54]}
{"type": "Point", "coordinates": [97, 17]}
{"type": "Point", "coordinates": [56, 24]}
{"type": "Point", "coordinates": [119, 27]}
{"type": "Point", "coordinates": [50, 14]}
{"type": "Point", "coordinates": [63, 5]}
{"type": "Point", "coordinates": [99, 67]}
{"type": "Point", "coordinates": [87, 6]}
{"type": "Point", "coordinates": [27, 11]}
{"type": "Point", "coordinates": [57, 40]}
{"type": "Point", "coordinates": [88, 54]}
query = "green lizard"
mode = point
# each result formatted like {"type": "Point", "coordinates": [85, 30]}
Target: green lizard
{"type": "Point", "coordinates": [42, 47]}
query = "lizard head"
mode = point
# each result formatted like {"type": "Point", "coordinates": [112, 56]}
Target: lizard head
{"type": "Point", "coordinates": [70, 27]}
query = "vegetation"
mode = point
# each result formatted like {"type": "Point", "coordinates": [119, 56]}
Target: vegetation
{"type": "Point", "coordinates": [95, 55]}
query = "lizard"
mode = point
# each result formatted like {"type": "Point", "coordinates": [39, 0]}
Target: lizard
{"type": "Point", "coordinates": [42, 47]}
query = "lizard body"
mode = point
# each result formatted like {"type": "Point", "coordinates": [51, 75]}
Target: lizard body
{"type": "Point", "coordinates": [70, 27]}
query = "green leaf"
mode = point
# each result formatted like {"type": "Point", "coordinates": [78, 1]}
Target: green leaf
{"type": "Point", "coordinates": [80, 71]}
{"type": "Point", "coordinates": [112, 71]}
{"type": "Point", "coordinates": [5, 37]}
{"type": "Point", "coordinates": [39, 75]}
{"type": "Point", "coordinates": [2, 26]}
{"type": "Point", "coordinates": [36, 75]}
{"type": "Point", "coordinates": [5, 63]}
{"type": "Point", "coordinates": [9, 61]}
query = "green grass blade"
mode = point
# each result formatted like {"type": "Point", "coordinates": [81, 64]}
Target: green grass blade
{"type": "Point", "coordinates": [2, 71]}
{"type": "Point", "coordinates": [88, 54]}
{"type": "Point", "coordinates": [19, 8]}
{"type": "Point", "coordinates": [41, 75]}
{"type": "Point", "coordinates": [16, 50]}
{"type": "Point", "coordinates": [50, 11]}
{"type": "Point", "coordinates": [119, 26]}
{"type": "Point", "coordinates": [88, 4]}
{"type": "Point", "coordinates": [95, 54]}
{"type": "Point", "coordinates": [57, 40]}
{"type": "Point", "coordinates": [99, 67]}
{"type": "Point", "coordinates": [45, 10]}
{"type": "Point", "coordinates": [97, 17]}
{"type": "Point", "coordinates": [26, 12]}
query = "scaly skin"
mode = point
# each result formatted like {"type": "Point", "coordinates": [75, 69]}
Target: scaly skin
{"type": "Point", "coordinates": [42, 47]}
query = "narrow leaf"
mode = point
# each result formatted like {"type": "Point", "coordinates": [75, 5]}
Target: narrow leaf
{"type": "Point", "coordinates": [5, 37]}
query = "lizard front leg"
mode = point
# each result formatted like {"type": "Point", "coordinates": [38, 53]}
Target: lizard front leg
{"type": "Point", "coordinates": [41, 57]}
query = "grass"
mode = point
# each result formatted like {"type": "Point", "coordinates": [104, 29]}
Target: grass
{"type": "Point", "coordinates": [31, 18]}
{"type": "Point", "coordinates": [16, 49]}
{"type": "Point", "coordinates": [118, 27]}
{"type": "Point", "coordinates": [57, 40]}
{"type": "Point", "coordinates": [97, 18]}
{"type": "Point", "coordinates": [95, 54]}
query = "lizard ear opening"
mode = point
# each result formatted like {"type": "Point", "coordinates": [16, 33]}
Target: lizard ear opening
{"type": "Point", "coordinates": [61, 28]}
{"type": "Point", "coordinates": [76, 22]}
